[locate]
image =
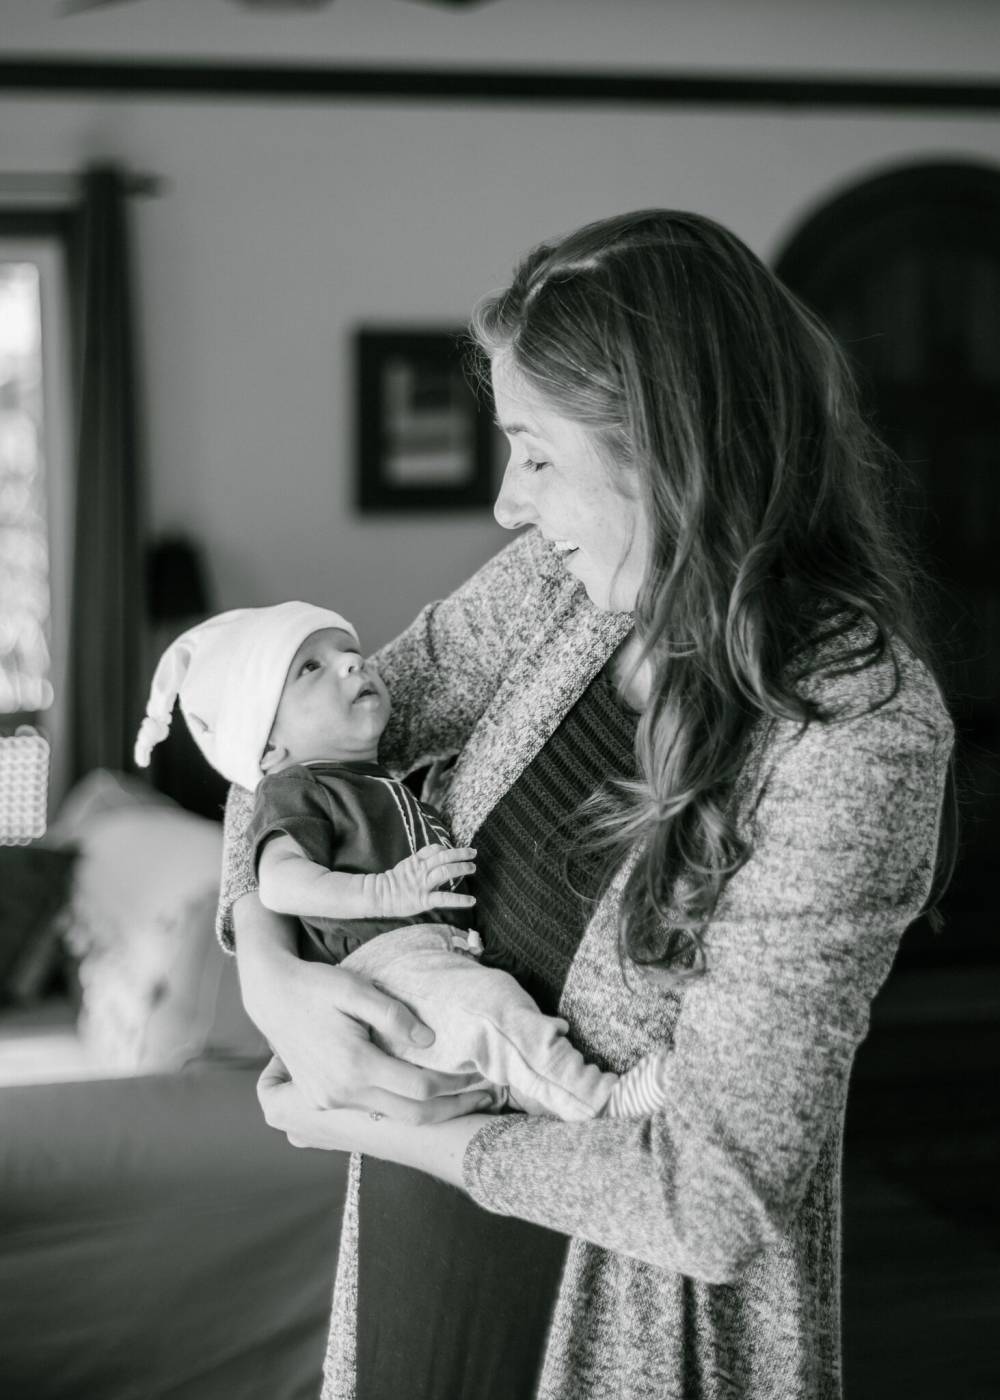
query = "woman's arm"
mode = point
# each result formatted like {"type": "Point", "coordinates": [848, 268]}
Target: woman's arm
{"type": "Point", "coordinates": [436, 1148]}
{"type": "Point", "coordinates": [318, 1019]}
{"type": "Point", "coordinates": [844, 834]}
{"type": "Point", "coordinates": [443, 671]}
{"type": "Point", "coordinates": [844, 840]}
{"type": "Point", "coordinates": [239, 876]}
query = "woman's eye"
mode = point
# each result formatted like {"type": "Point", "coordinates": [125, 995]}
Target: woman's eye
{"type": "Point", "coordinates": [530, 465]}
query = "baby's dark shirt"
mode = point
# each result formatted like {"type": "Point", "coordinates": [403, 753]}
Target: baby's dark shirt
{"type": "Point", "coordinates": [358, 819]}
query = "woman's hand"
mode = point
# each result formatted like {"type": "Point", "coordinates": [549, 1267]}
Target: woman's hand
{"type": "Point", "coordinates": [437, 1149]}
{"type": "Point", "coordinates": [317, 1019]}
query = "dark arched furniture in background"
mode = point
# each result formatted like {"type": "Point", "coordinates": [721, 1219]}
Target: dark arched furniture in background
{"type": "Point", "coordinates": [905, 267]}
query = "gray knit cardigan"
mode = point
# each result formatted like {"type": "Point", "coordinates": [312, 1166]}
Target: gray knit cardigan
{"type": "Point", "coordinates": [704, 1255]}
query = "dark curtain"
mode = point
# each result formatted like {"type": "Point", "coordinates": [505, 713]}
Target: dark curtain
{"type": "Point", "coordinates": [106, 648]}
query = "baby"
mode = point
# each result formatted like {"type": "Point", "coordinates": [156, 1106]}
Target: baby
{"type": "Point", "coordinates": [281, 701]}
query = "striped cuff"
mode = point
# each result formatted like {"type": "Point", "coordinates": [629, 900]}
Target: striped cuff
{"type": "Point", "coordinates": [641, 1091]}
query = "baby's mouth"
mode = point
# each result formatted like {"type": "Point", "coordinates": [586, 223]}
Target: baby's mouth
{"type": "Point", "coordinates": [364, 692]}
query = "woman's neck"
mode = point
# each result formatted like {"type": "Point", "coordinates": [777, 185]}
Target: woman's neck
{"type": "Point", "coordinates": [633, 684]}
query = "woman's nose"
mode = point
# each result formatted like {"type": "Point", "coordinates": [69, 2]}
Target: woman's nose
{"type": "Point", "coordinates": [511, 508]}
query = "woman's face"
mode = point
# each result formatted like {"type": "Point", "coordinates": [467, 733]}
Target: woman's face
{"type": "Point", "coordinates": [555, 479]}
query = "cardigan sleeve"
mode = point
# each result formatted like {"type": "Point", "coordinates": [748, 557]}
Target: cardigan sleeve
{"type": "Point", "coordinates": [844, 836]}
{"type": "Point", "coordinates": [239, 873]}
{"type": "Point", "coordinates": [441, 673]}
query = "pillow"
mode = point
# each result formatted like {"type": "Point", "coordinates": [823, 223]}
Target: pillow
{"type": "Point", "coordinates": [101, 790]}
{"type": "Point", "coordinates": [34, 886]}
{"type": "Point", "coordinates": [156, 989]}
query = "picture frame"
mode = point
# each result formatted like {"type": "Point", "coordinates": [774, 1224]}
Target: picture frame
{"type": "Point", "coordinates": [426, 442]}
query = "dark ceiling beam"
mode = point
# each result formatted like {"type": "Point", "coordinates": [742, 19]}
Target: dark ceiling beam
{"type": "Point", "coordinates": [195, 77]}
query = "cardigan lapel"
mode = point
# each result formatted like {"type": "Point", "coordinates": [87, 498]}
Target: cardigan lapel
{"type": "Point", "coordinates": [572, 642]}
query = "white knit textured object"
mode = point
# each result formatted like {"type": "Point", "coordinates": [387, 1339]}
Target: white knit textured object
{"type": "Point", "coordinates": [228, 674]}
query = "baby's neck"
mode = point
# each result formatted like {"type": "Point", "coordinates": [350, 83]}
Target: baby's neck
{"type": "Point", "coordinates": [328, 756]}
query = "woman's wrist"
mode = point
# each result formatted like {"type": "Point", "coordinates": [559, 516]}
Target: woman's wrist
{"type": "Point", "coordinates": [435, 1148]}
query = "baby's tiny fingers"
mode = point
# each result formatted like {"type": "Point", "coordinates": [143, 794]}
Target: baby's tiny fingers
{"type": "Point", "coordinates": [444, 873]}
{"type": "Point", "coordinates": [446, 900]}
{"type": "Point", "coordinates": [439, 855]}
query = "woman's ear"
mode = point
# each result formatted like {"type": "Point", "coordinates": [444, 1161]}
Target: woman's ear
{"type": "Point", "coordinates": [273, 755]}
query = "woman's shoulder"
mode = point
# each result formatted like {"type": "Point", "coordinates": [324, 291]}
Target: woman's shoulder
{"type": "Point", "coordinates": [874, 714]}
{"type": "Point", "coordinates": [849, 676]}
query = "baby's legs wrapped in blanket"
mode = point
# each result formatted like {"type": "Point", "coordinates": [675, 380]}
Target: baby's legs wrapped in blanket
{"type": "Point", "coordinates": [482, 1019]}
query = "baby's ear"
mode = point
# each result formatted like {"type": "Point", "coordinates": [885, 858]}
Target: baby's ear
{"type": "Point", "coordinates": [273, 755]}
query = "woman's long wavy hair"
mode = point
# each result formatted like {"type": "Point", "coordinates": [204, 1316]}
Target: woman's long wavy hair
{"type": "Point", "coordinates": [726, 405]}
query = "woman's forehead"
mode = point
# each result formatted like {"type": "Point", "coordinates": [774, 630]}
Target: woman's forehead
{"type": "Point", "coordinates": [519, 409]}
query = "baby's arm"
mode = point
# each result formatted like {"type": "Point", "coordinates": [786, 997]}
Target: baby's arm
{"type": "Point", "coordinates": [291, 883]}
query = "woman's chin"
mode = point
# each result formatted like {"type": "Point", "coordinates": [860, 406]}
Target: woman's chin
{"type": "Point", "coordinates": [604, 596]}
{"type": "Point", "coordinates": [608, 594]}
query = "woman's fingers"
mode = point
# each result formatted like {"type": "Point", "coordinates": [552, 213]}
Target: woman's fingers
{"type": "Point", "coordinates": [382, 1073]}
{"type": "Point", "coordinates": [404, 1092]}
{"type": "Point", "coordinates": [285, 1109]}
{"type": "Point", "coordinates": [272, 1076]}
{"type": "Point", "coordinates": [364, 1002]}
{"type": "Point", "coordinates": [436, 1110]}
{"type": "Point", "coordinates": [349, 1070]}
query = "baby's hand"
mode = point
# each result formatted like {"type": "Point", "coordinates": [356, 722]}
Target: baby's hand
{"type": "Point", "coordinates": [414, 885]}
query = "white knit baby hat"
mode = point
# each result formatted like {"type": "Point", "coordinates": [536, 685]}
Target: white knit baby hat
{"type": "Point", "coordinates": [228, 674]}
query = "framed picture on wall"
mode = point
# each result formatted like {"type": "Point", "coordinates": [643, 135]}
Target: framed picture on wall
{"type": "Point", "coordinates": [425, 441]}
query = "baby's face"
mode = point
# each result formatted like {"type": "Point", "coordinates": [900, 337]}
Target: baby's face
{"type": "Point", "coordinates": [333, 705]}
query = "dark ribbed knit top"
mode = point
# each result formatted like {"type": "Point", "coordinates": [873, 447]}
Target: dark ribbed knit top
{"type": "Point", "coordinates": [535, 881]}
{"type": "Point", "coordinates": [422, 1241]}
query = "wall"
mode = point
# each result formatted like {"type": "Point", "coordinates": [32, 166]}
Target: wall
{"type": "Point", "coordinates": [875, 36]}
{"type": "Point", "coordinates": [282, 225]}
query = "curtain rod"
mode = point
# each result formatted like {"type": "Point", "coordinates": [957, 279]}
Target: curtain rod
{"type": "Point", "coordinates": [56, 184]}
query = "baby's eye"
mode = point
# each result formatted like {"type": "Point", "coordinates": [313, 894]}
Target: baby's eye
{"type": "Point", "coordinates": [310, 664]}
{"type": "Point", "coordinates": [529, 465]}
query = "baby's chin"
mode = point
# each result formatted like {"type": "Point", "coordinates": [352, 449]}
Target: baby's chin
{"type": "Point", "coordinates": [330, 750]}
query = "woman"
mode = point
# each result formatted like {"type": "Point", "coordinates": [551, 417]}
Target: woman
{"type": "Point", "coordinates": [757, 801]}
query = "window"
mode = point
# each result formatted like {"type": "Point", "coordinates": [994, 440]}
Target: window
{"type": "Point", "coordinates": [25, 683]}
{"type": "Point", "coordinates": [35, 482]}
